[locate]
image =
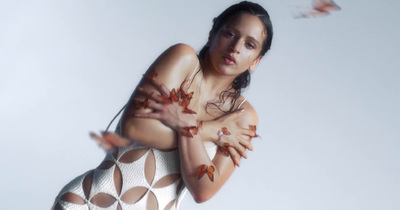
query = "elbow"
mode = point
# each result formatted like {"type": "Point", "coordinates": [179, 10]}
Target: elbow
{"type": "Point", "coordinates": [201, 197]}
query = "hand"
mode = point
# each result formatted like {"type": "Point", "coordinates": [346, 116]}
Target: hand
{"type": "Point", "coordinates": [238, 138]}
{"type": "Point", "coordinates": [165, 108]}
{"type": "Point", "coordinates": [110, 141]}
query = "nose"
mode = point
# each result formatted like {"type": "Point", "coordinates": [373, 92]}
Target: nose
{"type": "Point", "coordinates": [234, 47]}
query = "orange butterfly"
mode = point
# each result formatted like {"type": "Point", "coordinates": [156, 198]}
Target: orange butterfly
{"type": "Point", "coordinates": [173, 96]}
{"type": "Point", "coordinates": [153, 74]}
{"type": "Point", "coordinates": [224, 149]}
{"type": "Point", "coordinates": [319, 8]}
{"type": "Point", "coordinates": [139, 104]}
{"type": "Point", "coordinates": [225, 131]}
{"type": "Point", "coordinates": [190, 131]}
{"type": "Point", "coordinates": [187, 133]}
{"type": "Point", "coordinates": [188, 111]}
{"type": "Point", "coordinates": [207, 169]}
{"type": "Point", "coordinates": [185, 98]}
{"type": "Point", "coordinates": [166, 100]}
{"type": "Point", "coordinates": [253, 128]}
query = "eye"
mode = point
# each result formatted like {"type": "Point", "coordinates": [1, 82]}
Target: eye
{"type": "Point", "coordinates": [229, 34]}
{"type": "Point", "coordinates": [250, 45]}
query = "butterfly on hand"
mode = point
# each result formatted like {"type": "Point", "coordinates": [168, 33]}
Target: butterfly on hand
{"type": "Point", "coordinates": [209, 170]}
{"type": "Point", "coordinates": [189, 131]}
{"type": "Point", "coordinates": [173, 97]}
{"type": "Point", "coordinates": [254, 128]}
{"type": "Point", "coordinates": [225, 131]}
{"type": "Point", "coordinates": [139, 104]}
{"type": "Point", "coordinates": [225, 149]}
{"type": "Point", "coordinates": [185, 98]}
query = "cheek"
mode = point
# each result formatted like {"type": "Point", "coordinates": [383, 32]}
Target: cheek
{"type": "Point", "coordinates": [249, 59]}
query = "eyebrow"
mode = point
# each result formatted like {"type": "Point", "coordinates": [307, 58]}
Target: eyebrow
{"type": "Point", "coordinates": [249, 37]}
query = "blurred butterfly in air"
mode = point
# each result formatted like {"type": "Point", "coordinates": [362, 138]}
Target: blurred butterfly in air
{"type": "Point", "coordinates": [209, 170]}
{"type": "Point", "coordinates": [319, 8]}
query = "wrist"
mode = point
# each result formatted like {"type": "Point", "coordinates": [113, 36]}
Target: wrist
{"type": "Point", "coordinates": [191, 130]}
{"type": "Point", "coordinates": [210, 131]}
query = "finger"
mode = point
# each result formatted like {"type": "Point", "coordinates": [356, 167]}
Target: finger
{"type": "Point", "coordinates": [235, 156]}
{"type": "Point", "coordinates": [247, 132]}
{"type": "Point", "coordinates": [102, 142]}
{"type": "Point", "coordinates": [154, 105]}
{"type": "Point", "coordinates": [150, 115]}
{"type": "Point", "coordinates": [245, 141]}
{"type": "Point", "coordinates": [115, 139]}
{"type": "Point", "coordinates": [148, 94]}
{"type": "Point", "coordinates": [164, 90]}
{"type": "Point", "coordinates": [241, 150]}
{"type": "Point", "coordinates": [160, 86]}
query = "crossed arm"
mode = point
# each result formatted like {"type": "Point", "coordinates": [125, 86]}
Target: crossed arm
{"type": "Point", "coordinates": [150, 117]}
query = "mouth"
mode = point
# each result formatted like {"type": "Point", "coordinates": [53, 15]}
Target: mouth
{"type": "Point", "coordinates": [229, 60]}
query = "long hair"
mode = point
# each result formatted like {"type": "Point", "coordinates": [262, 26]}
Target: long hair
{"type": "Point", "coordinates": [242, 81]}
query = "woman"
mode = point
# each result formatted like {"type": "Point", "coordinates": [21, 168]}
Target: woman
{"type": "Point", "coordinates": [185, 120]}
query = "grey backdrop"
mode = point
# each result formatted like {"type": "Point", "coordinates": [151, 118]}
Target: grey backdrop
{"type": "Point", "coordinates": [327, 96]}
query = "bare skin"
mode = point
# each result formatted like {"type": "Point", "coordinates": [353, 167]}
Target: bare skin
{"type": "Point", "coordinates": [233, 49]}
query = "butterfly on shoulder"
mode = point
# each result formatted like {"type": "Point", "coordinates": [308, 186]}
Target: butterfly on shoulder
{"type": "Point", "coordinates": [173, 97]}
{"type": "Point", "coordinates": [254, 128]}
{"type": "Point", "coordinates": [209, 170]}
{"type": "Point", "coordinates": [139, 104]}
{"type": "Point", "coordinates": [153, 74]}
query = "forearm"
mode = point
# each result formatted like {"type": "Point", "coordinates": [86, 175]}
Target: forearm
{"type": "Point", "coordinates": [209, 130]}
{"type": "Point", "coordinates": [193, 156]}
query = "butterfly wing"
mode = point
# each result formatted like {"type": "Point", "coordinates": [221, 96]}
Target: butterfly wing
{"type": "Point", "coordinates": [253, 128]}
{"type": "Point", "coordinates": [224, 150]}
{"type": "Point", "coordinates": [188, 111]}
{"type": "Point", "coordinates": [153, 74]}
{"type": "Point", "coordinates": [202, 171]}
{"type": "Point", "coordinates": [225, 131]}
{"type": "Point", "coordinates": [145, 103]}
{"type": "Point", "coordinates": [174, 96]}
{"type": "Point", "coordinates": [194, 130]}
{"type": "Point", "coordinates": [210, 172]}
{"type": "Point", "coordinates": [187, 132]}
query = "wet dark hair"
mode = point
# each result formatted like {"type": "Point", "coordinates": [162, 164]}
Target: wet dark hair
{"type": "Point", "coordinates": [243, 79]}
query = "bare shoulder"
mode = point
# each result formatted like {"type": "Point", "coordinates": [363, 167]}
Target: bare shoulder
{"type": "Point", "coordinates": [249, 116]}
{"type": "Point", "coordinates": [183, 50]}
{"type": "Point", "coordinates": [175, 64]}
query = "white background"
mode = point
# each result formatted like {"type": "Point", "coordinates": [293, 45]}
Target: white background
{"type": "Point", "coordinates": [327, 95]}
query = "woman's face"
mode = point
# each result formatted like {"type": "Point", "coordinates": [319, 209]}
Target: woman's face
{"type": "Point", "coordinates": [236, 46]}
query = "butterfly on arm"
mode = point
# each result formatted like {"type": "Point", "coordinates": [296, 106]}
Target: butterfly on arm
{"type": "Point", "coordinates": [209, 170]}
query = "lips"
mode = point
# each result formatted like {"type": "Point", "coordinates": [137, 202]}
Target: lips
{"type": "Point", "coordinates": [229, 60]}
